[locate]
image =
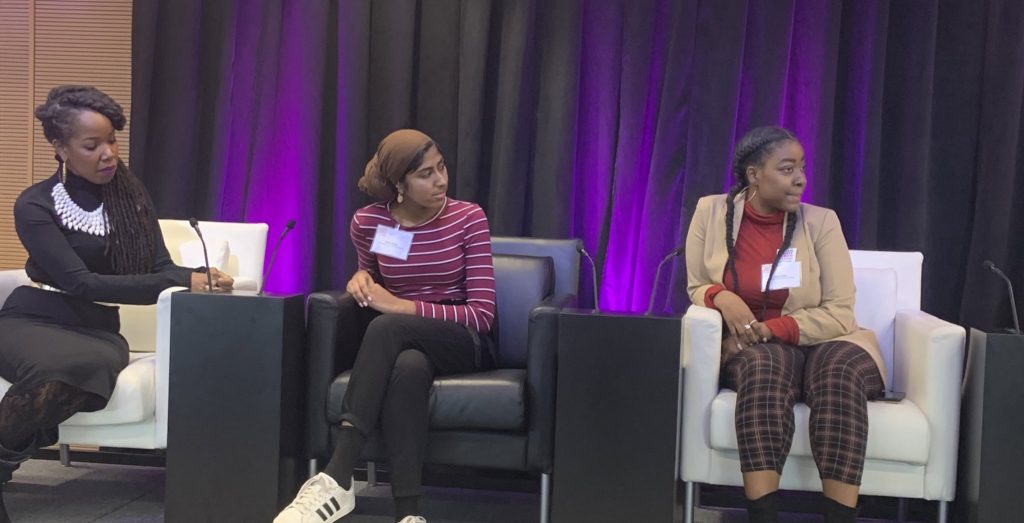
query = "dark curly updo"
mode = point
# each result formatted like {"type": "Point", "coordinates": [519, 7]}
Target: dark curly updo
{"type": "Point", "coordinates": [130, 216]}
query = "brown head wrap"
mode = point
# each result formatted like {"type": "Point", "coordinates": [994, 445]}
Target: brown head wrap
{"type": "Point", "coordinates": [391, 162]}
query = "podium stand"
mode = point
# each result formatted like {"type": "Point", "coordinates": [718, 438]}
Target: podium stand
{"type": "Point", "coordinates": [617, 418]}
{"type": "Point", "coordinates": [989, 480]}
{"type": "Point", "coordinates": [234, 426]}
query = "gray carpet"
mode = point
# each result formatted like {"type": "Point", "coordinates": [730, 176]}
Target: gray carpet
{"type": "Point", "coordinates": [45, 491]}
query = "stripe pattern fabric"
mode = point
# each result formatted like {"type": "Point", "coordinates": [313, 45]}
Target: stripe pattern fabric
{"type": "Point", "coordinates": [449, 272]}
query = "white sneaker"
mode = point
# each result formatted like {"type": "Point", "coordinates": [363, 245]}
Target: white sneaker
{"type": "Point", "coordinates": [320, 500]}
{"type": "Point", "coordinates": [413, 519]}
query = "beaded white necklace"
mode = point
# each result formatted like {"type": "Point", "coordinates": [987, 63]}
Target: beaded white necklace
{"type": "Point", "coordinates": [74, 217]}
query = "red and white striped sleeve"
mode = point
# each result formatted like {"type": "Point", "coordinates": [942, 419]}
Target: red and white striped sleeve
{"type": "Point", "coordinates": [481, 305]}
{"type": "Point", "coordinates": [362, 241]}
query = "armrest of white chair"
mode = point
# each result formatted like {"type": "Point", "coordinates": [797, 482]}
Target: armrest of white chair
{"type": "Point", "coordinates": [929, 357]}
{"type": "Point", "coordinates": [138, 326]}
{"type": "Point", "coordinates": [245, 284]}
{"type": "Point", "coordinates": [702, 354]}
{"type": "Point", "coordinates": [163, 361]}
{"type": "Point", "coordinates": [9, 280]}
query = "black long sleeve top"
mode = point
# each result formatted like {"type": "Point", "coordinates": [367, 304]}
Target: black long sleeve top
{"type": "Point", "coordinates": [77, 262]}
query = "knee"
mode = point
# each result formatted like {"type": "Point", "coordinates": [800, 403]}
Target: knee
{"type": "Point", "coordinates": [382, 325]}
{"type": "Point", "coordinates": [841, 372]}
{"type": "Point", "coordinates": [385, 327]}
{"type": "Point", "coordinates": [83, 366]}
{"type": "Point", "coordinates": [412, 370]}
{"type": "Point", "coordinates": [762, 358]}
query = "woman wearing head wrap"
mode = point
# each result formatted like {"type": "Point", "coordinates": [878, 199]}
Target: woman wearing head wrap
{"type": "Point", "coordinates": [426, 285]}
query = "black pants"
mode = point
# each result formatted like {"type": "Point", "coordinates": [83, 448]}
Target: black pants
{"type": "Point", "coordinates": [390, 385]}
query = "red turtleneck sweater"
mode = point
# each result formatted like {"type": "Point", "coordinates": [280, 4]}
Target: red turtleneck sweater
{"type": "Point", "coordinates": [759, 240]}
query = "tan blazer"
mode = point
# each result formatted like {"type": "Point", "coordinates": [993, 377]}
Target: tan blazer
{"type": "Point", "coordinates": [823, 303]}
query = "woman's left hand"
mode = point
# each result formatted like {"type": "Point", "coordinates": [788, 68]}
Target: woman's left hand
{"type": "Point", "coordinates": [381, 300]}
{"type": "Point", "coordinates": [763, 333]}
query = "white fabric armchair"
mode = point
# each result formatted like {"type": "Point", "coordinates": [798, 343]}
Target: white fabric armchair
{"type": "Point", "coordinates": [136, 416]}
{"type": "Point", "coordinates": [912, 445]}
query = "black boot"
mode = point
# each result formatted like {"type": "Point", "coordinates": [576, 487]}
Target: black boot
{"type": "Point", "coordinates": [836, 512]}
{"type": "Point", "coordinates": [4, 518]}
{"type": "Point", "coordinates": [764, 509]}
{"type": "Point", "coordinates": [10, 460]}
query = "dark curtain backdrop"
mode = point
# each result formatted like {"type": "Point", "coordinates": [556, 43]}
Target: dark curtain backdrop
{"type": "Point", "coordinates": [604, 120]}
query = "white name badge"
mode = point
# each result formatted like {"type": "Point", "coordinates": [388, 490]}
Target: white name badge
{"type": "Point", "coordinates": [787, 272]}
{"type": "Point", "coordinates": [392, 241]}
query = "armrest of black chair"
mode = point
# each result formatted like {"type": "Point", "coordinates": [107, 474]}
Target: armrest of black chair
{"type": "Point", "coordinates": [332, 340]}
{"type": "Point", "coordinates": [541, 367]}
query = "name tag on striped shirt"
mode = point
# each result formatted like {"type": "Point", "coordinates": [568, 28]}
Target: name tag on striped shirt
{"type": "Point", "coordinates": [392, 241]}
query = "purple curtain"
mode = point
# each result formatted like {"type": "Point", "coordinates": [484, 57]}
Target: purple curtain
{"type": "Point", "coordinates": [603, 120]}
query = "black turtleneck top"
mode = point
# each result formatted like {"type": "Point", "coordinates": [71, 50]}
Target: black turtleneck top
{"type": "Point", "coordinates": [78, 263]}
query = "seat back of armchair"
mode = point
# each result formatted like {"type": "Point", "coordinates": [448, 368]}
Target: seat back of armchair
{"type": "Point", "coordinates": [246, 244]}
{"type": "Point", "coordinates": [521, 282]}
{"type": "Point", "coordinates": [563, 254]}
{"type": "Point", "coordinates": [243, 245]}
{"type": "Point", "coordinates": [886, 281]}
{"type": "Point", "coordinates": [564, 257]}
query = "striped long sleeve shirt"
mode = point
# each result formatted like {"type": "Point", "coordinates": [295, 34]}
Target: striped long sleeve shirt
{"type": "Point", "coordinates": [450, 260]}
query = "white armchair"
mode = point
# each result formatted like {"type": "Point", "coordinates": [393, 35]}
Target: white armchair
{"type": "Point", "coordinates": [912, 445]}
{"type": "Point", "coordinates": [136, 416]}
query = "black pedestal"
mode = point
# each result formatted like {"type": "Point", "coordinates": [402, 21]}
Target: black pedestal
{"type": "Point", "coordinates": [234, 430]}
{"type": "Point", "coordinates": [617, 419]}
{"type": "Point", "coordinates": [989, 482]}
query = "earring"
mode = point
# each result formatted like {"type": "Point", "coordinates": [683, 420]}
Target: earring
{"type": "Point", "coordinates": [400, 198]}
{"type": "Point", "coordinates": [63, 171]}
{"type": "Point", "coordinates": [751, 195]}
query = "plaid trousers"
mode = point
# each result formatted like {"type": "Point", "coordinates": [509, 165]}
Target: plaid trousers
{"type": "Point", "coordinates": [835, 379]}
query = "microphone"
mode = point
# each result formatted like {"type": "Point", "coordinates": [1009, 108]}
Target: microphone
{"type": "Point", "coordinates": [593, 273]}
{"type": "Point", "coordinates": [273, 254]}
{"type": "Point", "coordinates": [1009, 286]}
{"type": "Point", "coordinates": [206, 258]}
{"type": "Point", "coordinates": [654, 285]}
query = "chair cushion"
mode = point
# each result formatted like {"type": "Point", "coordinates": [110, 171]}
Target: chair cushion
{"type": "Point", "coordinates": [490, 400]}
{"type": "Point", "coordinates": [134, 397]}
{"type": "Point", "coordinates": [133, 400]}
{"type": "Point", "coordinates": [896, 431]}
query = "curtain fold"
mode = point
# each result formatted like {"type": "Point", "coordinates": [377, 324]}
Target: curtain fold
{"type": "Point", "coordinates": [605, 121]}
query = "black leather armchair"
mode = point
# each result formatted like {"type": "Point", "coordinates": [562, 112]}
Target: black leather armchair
{"type": "Point", "coordinates": [501, 418]}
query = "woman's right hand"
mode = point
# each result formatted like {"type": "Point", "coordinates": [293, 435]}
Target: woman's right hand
{"type": "Point", "coordinates": [199, 282]}
{"type": "Point", "coordinates": [221, 281]}
{"type": "Point", "coordinates": [737, 317]}
{"type": "Point", "coordinates": [360, 286]}
{"type": "Point", "coordinates": [730, 347]}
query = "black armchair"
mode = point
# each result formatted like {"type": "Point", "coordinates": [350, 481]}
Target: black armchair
{"type": "Point", "coordinates": [501, 418]}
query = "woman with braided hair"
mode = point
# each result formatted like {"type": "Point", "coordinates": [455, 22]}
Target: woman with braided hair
{"type": "Point", "coordinates": [92, 236]}
{"type": "Point", "coordinates": [779, 271]}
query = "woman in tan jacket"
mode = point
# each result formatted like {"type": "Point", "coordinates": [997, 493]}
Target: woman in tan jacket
{"type": "Point", "coordinates": [779, 272]}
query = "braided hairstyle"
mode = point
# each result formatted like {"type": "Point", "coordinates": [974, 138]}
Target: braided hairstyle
{"type": "Point", "coordinates": [751, 151]}
{"type": "Point", "coordinates": [130, 217]}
